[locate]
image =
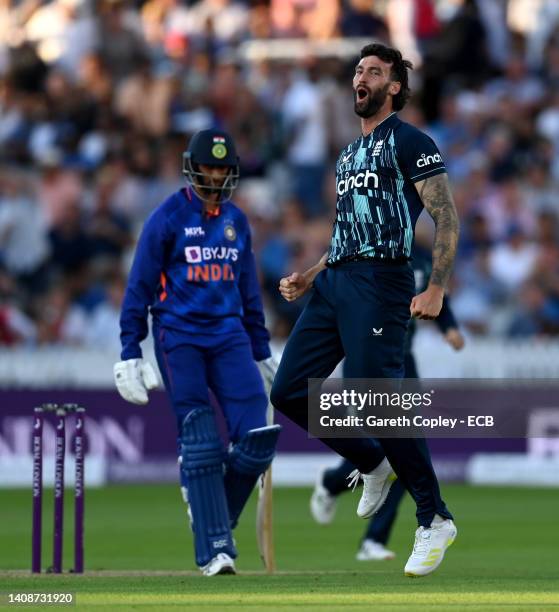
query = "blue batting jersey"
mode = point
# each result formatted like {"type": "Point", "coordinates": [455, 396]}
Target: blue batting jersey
{"type": "Point", "coordinates": [377, 202]}
{"type": "Point", "coordinates": [196, 274]}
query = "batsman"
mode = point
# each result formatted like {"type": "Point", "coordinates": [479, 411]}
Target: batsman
{"type": "Point", "coordinates": [194, 271]}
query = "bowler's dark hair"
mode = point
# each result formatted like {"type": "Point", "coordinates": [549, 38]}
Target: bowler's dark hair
{"type": "Point", "coordinates": [398, 71]}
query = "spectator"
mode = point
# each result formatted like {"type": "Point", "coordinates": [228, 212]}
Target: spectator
{"type": "Point", "coordinates": [70, 244]}
{"type": "Point", "coordinates": [306, 144]}
{"type": "Point", "coordinates": [512, 262]}
{"type": "Point", "coordinates": [108, 232]}
{"type": "Point", "coordinates": [103, 330]}
{"type": "Point", "coordinates": [58, 320]}
{"type": "Point", "coordinates": [359, 18]}
{"type": "Point", "coordinates": [121, 44]}
{"type": "Point", "coordinates": [24, 247]}
{"type": "Point", "coordinates": [151, 116]}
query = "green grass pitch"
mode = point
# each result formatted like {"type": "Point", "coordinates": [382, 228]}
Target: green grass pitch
{"type": "Point", "coordinates": [139, 555]}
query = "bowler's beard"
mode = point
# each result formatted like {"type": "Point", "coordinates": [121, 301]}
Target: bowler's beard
{"type": "Point", "coordinates": [371, 104]}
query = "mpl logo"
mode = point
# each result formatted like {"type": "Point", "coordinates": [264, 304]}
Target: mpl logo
{"type": "Point", "coordinates": [190, 232]}
{"type": "Point", "coordinates": [361, 179]}
{"type": "Point", "coordinates": [426, 160]}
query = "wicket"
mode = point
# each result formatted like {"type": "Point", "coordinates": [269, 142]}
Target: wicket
{"type": "Point", "coordinates": [59, 462]}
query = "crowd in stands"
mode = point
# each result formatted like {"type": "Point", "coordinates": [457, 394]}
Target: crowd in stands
{"type": "Point", "coordinates": [99, 98]}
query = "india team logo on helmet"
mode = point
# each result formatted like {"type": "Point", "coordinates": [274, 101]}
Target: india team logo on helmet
{"type": "Point", "coordinates": [219, 150]}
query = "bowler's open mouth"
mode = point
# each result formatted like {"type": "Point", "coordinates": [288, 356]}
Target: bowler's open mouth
{"type": "Point", "coordinates": [362, 93]}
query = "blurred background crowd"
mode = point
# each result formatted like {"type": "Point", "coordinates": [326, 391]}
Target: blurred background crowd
{"type": "Point", "coordinates": [98, 100]}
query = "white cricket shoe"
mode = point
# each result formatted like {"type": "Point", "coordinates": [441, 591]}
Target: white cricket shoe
{"type": "Point", "coordinates": [374, 551]}
{"type": "Point", "coordinates": [221, 564]}
{"type": "Point", "coordinates": [429, 547]}
{"type": "Point", "coordinates": [323, 503]}
{"type": "Point", "coordinates": [376, 485]}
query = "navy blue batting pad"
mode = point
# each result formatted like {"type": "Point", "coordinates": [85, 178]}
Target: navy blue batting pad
{"type": "Point", "coordinates": [202, 464]}
{"type": "Point", "coordinates": [248, 459]}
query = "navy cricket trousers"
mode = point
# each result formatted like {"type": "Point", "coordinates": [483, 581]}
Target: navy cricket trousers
{"type": "Point", "coordinates": [224, 363]}
{"type": "Point", "coordinates": [347, 302]}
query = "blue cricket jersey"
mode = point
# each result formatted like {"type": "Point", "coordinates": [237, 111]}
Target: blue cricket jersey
{"type": "Point", "coordinates": [196, 274]}
{"type": "Point", "coordinates": [377, 202]}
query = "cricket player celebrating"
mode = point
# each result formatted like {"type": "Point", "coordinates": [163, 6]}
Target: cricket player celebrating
{"type": "Point", "coordinates": [363, 290]}
{"type": "Point", "coordinates": [194, 270]}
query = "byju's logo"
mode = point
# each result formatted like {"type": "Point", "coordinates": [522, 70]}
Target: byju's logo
{"type": "Point", "coordinates": [377, 332]}
{"type": "Point", "coordinates": [196, 254]}
{"type": "Point", "coordinates": [426, 160]}
{"type": "Point", "coordinates": [194, 231]}
{"type": "Point", "coordinates": [193, 254]}
{"type": "Point", "coordinates": [361, 179]}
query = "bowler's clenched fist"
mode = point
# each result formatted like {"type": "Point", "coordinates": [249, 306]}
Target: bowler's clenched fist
{"type": "Point", "coordinates": [293, 286]}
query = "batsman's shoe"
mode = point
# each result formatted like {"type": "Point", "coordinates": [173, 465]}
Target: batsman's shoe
{"type": "Point", "coordinates": [323, 503]}
{"type": "Point", "coordinates": [374, 551]}
{"type": "Point", "coordinates": [376, 485]}
{"type": "Point", "coordinates": [221, 564]}
{"type": "Point", "coordinates": [429, 547]}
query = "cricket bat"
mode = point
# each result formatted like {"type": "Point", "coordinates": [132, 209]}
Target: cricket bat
{"type": "Point", "coordinates": [264, 519]}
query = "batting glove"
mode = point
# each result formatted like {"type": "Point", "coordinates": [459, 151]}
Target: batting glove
{"type": "Point", "coordinates": [268, 368]}
{"type": "Point", "coordinates": [134, 378]}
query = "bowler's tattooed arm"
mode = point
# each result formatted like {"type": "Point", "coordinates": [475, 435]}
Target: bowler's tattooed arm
{"type": "Point", "coordinates": [437, 199]}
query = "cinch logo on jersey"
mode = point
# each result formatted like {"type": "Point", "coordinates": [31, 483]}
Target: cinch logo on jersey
{"type": "Point", "coordinates": [426, 160]}
{"type": "Point", "coordinates": [194, 231]}
{"type": "Point", "coordinates": [196, 254]}
{"type": "Point", "coordinates": [361, 179]}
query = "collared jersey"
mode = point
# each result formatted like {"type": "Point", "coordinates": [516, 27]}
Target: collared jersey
{"type": "Point", "coordinates": [377, 202]}
{"type": "Point", "coordinates": [196, 274]}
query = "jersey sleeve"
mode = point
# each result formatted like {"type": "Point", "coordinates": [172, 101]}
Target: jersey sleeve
{"type": "Point", "coordinates": [253, 312]}
{"type": "Point", "coordinates": [446, 319]}
{"type": "Point", "coordinates": [144, 278]}
{"type": "Point", "coordinates": [418, 155]}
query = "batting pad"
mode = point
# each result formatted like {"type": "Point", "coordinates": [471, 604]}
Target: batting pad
{"type": "Point", "coordinates": [248, 459]}
{"type": "Point", "coordinates": [202, 463]}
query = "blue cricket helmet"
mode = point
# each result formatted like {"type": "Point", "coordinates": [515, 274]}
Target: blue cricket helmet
{"type": "Point", "coordinates": [211, 148]}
